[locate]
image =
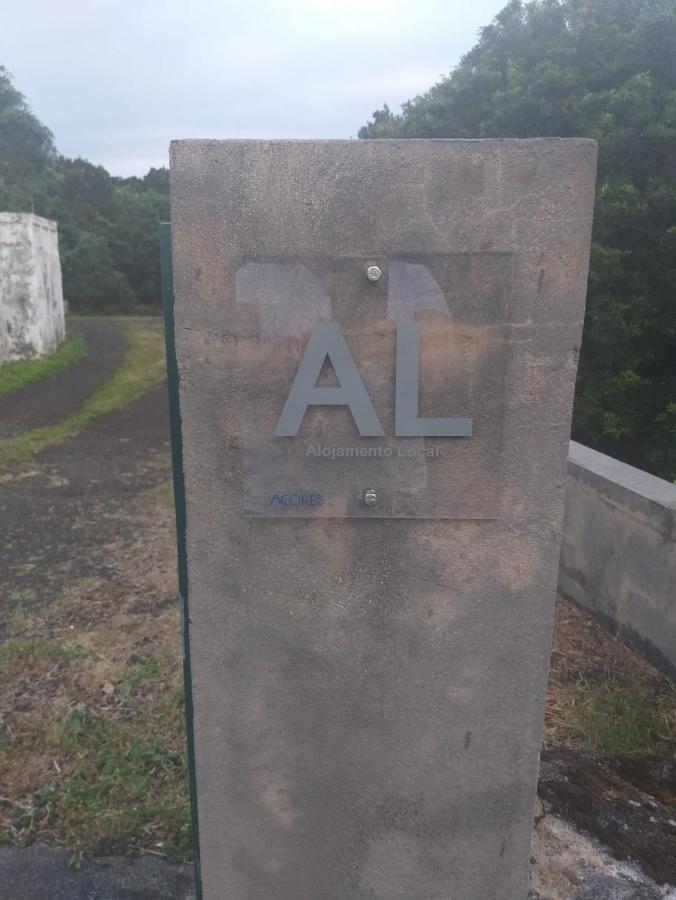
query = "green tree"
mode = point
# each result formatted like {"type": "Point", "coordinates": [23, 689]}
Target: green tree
{"type": "Point", "coordinates": [26, 146]}
{"type": "Point", "coordinates": [108, 226]}
{"type": "Point", "coordinates": [604, 69]}
{"type": "Point", "coordinates": [94, 285]}
{"type": "Point", "coordinates": [134, 237]}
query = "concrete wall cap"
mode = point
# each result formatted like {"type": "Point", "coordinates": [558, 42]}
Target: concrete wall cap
{"type": "Point", "coordinates": [11, 218]}
{"type": "Point", "coordinates": [643, 485]}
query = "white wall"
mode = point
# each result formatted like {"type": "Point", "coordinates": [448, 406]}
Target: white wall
{"type": "Point", "coordinates": [31, 297]}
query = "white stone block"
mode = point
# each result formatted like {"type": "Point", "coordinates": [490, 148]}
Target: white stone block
{"type": "Point", "coordinates": [32, 321]}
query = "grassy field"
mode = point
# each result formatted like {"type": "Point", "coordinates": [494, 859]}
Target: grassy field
{"type": "Point", "coordinates": [92, 746]}
{"type": "Point", "coordinates": [94, 755]}
{"type": "Point", "coordinates": [15, 375]}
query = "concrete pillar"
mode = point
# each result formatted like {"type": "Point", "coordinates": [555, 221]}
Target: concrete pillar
{"type": "Point", "coordinates": [368, 679]}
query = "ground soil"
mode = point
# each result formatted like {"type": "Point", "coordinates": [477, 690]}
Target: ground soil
{"type": "Point", "coordinates": [75, 516]}
{"type": "Point", "coordinates": [45, 873]}
{"type": "Point", "coordinates": [627, 803]}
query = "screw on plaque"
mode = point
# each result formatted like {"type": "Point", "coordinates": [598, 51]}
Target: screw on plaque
{"type": "Point", "coordinates": [373, 273]}
{"type": "Point", "coordinates": [370, 497]}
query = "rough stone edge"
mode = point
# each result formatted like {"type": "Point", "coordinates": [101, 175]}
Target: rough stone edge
{"type": "Point", "coordinates": [28, 218]}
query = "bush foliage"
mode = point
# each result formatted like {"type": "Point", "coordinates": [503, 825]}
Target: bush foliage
{"type": "Point", "coordinates": [604, 69]}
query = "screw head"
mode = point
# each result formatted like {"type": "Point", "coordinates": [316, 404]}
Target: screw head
{"type": "Point", "coordinates": [373, 273]}
{"type": "Point", "coordinates": [370, 497]}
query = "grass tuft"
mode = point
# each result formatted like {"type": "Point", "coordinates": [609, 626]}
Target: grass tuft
{"type": "Point", "coordinates": [164, 492]}
{"type": "Point", "coordinates": [602, 695]}
{"type": "Point", "coordinates": [122, 782]}
{"type": "Point", "coordinates": [20, 657]}
{"type": "Point", "coordinates": [22, 372]}
{"type": "Point", "coordinates": [114, 777]}
{"type": "Point", "coordinates": [628, 720]}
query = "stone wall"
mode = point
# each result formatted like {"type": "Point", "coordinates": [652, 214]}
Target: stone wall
{"type": "Point", "coordinates": [618, 555]}
{"type": "Point", "coordinates": [31, 298]}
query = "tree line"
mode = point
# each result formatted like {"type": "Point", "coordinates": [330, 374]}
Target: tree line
{"type": "Point", "coordinates": [108, 226]}
{"type": "Point", "coordinates": [604, 69]}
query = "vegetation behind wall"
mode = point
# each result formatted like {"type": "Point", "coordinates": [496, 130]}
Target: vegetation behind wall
{"type": "Point", "coordinates": [604, 69]}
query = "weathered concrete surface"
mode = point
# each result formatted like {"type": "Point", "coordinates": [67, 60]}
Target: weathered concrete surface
{"type": "Point", "coordinates": [369, 693]}
{"type": "Point", "coordinates": [618, 554]}
{"type": "Point", "coordinates": [31, 299]}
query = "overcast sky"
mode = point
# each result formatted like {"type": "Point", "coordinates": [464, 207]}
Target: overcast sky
{"type": "Point", "coordinates": [116, 80]}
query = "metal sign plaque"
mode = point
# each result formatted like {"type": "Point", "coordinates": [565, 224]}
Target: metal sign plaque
{"type": "Point", "coordinates": [372, 386]}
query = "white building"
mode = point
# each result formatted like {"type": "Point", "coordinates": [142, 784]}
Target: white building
{"type": "Point", "coordinates": [31, 297]}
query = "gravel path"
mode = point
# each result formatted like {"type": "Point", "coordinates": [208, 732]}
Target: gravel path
{"type": "Point", "coordinates": [71, 501]}
{"type": "Point", "coordinates": [47, 401]}
{"type": "Point", "coordinates": [44, 873]}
